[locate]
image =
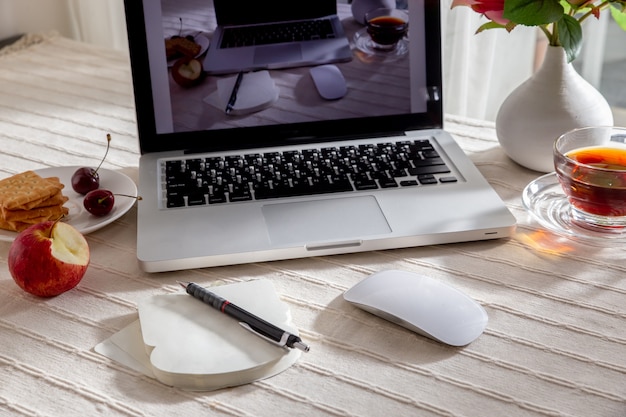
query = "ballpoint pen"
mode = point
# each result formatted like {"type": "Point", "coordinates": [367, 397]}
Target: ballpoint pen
{"type": "Point", "coordinates": [233, 94]}
{"type": "Point", "coordinates": [247, 320]}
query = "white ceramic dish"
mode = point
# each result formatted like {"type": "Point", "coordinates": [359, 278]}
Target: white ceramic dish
{"type": "Point", "coordinates": [78, 217]}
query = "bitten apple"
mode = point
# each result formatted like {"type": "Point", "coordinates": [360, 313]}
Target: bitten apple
{"type": "Point", "coordinates": [187, 72]}
{"type": "Point", "coordinates": [48, 258]}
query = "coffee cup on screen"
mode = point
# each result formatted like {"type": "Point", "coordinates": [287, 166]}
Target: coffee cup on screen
{"type": "Point", "coordinates": [386, 27]}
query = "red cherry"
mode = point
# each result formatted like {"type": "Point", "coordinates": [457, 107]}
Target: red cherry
{"type": "Point", "coordinates": [99, 202]}
{"type": "Point", "coordinates": [87, 179]}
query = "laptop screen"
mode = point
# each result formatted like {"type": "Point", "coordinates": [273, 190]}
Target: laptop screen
{"type": "Point", "coordinates": [387, 93]}
{"type": "Point", "coordinates": [229, 11]}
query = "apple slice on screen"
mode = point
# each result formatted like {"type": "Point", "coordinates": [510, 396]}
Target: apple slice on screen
{"type": "Point", "coordinates": [187, 72]}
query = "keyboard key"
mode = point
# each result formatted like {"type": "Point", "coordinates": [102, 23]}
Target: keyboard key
{"type": "Point", "coordinates": [365, 184]}
{"type": "Point", "coordinates": [427, 179]}
{"type": "Point", "coordinates": [196, 199]}
{"type": "Point", "coordinates": [428, 162]}
{"type": "Point", "coordinates": [175, 201]}
{"type": "Point", "coordinates": [217, 198]}
{"type": "Point", "coordinates": [387, 183]}
{"type": "Point", "coordinates": [434, 169]}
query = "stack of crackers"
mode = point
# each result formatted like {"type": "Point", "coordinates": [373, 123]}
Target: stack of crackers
{"type": "Point", "coordinates": [27, 199]}
{"type": "Point", "coordinates": [177, 46]}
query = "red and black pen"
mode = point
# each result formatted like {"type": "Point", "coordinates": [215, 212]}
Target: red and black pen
{"type": "Point", "coordinates": [249, 321]}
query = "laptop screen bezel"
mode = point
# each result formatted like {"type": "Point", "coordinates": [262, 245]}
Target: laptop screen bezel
{"type": "Point", "coordinates": [275, 135]}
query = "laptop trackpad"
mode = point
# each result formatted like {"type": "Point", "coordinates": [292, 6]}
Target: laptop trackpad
{"type": "Point", "coordinates": [335, 220]}
{"type": "Point", "coordinates": [289, 52]}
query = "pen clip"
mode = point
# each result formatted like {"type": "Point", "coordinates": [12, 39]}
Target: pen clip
{"type": "Point", "coordinates": [281, 343]}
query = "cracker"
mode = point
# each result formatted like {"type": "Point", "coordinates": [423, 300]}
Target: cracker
{"type": "Point", "coordinates": [18, 226]}
{"type": "Point", "coordinates": [26, 190]}
{"type": "Point", "coordinates": [57, 199]}
{"type": "Point", "coordinates": [27, 199]}
{"type": "Point", "coordinates": [53, 200]}
{"type": "Point", "coordinates": [179, 46]}
{"type": "Point", "coordinates": [14, 226]}
{"type": "Point", "coordinates": [35, 213]}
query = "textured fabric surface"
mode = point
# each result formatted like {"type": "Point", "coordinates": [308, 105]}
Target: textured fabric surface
{"type": "Point", "coordinates": [555, 344]}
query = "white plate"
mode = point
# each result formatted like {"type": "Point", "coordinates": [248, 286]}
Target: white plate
{"type": "Point", "coordinates": [81, 219]}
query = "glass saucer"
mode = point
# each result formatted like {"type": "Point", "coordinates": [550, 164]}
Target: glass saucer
{"type": "Point", "coordinates": [364, 43]}
{"type": "Point", "coordinates": [545, 200]}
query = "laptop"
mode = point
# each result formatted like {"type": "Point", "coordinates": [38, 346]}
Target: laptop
{"type": "Point", "coordinates": [275, 34]}
{"type": "Point", "coordinates": [302, 176]}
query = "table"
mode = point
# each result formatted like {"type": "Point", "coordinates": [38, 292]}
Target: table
{"type": "Point", "coordinates": [555, 344]}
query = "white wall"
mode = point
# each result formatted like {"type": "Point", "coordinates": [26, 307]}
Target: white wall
{"type": "Point", "coordinates": [615, 43]}
{"type": "Point", "coordinates": [21, 16]}
{"type": "Point", "coordinates": [100, 22]}
{"type": "Point", "coordinates": [6, 25]}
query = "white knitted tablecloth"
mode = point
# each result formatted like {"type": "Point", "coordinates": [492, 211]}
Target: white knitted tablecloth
{"type": "Point", "coordinates": [555, 344]}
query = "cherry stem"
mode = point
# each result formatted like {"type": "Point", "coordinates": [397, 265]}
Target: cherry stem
{"type": "Point", "coordinates": [138, 197]}
{"type": "Point", "coordinates": [106, 197]}
{"type": "Point", "coordinates": [105, 152]}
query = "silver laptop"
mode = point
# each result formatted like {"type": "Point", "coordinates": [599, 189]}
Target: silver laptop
{"type": "Point", "coordinates": [302, 176]}
{"type": "Point", "coordinates": [254, 34]}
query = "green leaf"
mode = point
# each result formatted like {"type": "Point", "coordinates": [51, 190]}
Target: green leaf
{"type": "Point", "coordinates": [533, 12]}
{"type": "Point", "coordinates": [619, 16]}
{"type": "Point", "coordinates": [570, 36]}
{"type": "Point", "coordinates": [567, 8]}
{"type": "Point", "coordinates": [490, 25]}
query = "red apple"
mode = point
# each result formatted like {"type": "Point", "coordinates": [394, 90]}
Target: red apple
{"type": "Point", "coordinates": [187, 72]}
{"type": "Point", "coordinates": [48, 258]}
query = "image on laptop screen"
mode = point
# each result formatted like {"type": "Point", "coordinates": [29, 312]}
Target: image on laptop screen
{"type": "Point", "coordinates": [384, 91]}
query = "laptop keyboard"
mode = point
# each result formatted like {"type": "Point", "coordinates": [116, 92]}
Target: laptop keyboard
{"type": "Point", "coordinates": [277, 33]}
{"type": "Point", "coordinates": [220, 180]}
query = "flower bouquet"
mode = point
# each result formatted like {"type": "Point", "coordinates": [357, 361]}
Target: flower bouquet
{"type": "Point", "coordinates": [559, 20]}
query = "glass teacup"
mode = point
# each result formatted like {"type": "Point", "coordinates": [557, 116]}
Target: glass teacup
{"type": "Point", "coordinates": [590, 164]}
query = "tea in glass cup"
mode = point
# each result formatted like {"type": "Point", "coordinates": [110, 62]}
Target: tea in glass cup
{"type": "Point", "coordinates": [590, 164]}
{"type": "Point", "coordinates": [386, 27]}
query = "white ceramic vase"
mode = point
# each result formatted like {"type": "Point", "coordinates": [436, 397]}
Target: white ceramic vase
{"type": "Point", "coordinates": [553, 101]}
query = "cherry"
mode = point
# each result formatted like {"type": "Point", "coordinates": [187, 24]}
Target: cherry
{"type": "Point", "coordinates": [87, 179]}
{"type": "Point", "coordinates": [100, 202]}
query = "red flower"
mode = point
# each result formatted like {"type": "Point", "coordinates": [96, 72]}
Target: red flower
{"type": "Point", "coordinates": [491, 9]}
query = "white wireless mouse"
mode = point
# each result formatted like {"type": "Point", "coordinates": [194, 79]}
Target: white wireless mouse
{"type": "Point", "coordinates": [329, 81]}
{"type": "Point", "coordinates": [421, 304]}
